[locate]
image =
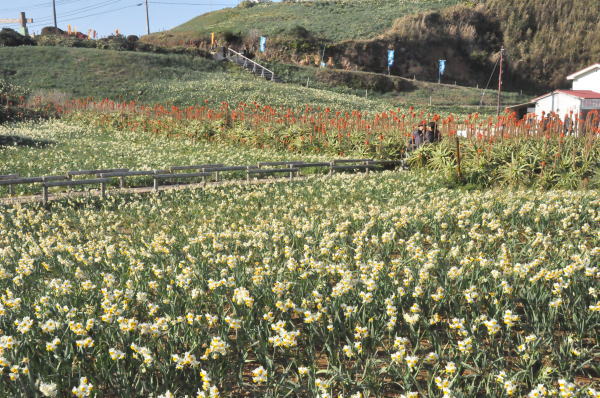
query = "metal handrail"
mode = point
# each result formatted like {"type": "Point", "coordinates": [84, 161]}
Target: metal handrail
{"type": "Point", "coordinates": [255, 64]}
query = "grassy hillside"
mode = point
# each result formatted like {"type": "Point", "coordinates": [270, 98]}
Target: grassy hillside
{"type": "Point", "coordinates": [155, 78]}
{"type": "Point", "coordinates": [545, 40]}
{"type": "Point", "coordinates": [183, 80]}
{"type": "Point", "coordinates": [85, 72]}
{"type": "Point", "coordinates": [331, 20]}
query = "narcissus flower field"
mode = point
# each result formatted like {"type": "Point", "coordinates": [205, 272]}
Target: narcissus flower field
{"type": "Point", "coordinates": [383, 286]}
{"type": "Point", "coordinates": [386, 285]}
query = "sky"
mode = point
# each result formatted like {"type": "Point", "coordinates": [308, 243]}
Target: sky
{"type": "Point", "coordinates": [105, 16]}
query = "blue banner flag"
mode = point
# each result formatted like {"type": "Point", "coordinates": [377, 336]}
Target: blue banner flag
{"type": "Point", "coordinates": [390, 58]}
{"type": "Point", "coordinates": [442, 66]}
{"type": "Point", "coordinates": [263, 44]}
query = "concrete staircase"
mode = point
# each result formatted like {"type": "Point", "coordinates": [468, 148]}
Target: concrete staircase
{"type": "Point", "coordinates": [251, 66]}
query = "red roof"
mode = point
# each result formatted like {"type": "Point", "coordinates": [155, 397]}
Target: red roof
{"type": "Point", "coordinates": [585, 94]}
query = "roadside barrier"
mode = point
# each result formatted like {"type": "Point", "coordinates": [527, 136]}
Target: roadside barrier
{"type": "Point", "coordinates": [207, 172]}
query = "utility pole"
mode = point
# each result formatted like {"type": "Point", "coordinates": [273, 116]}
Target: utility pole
{"type": "Point", "coordinates": [22, 20]}
{"type": "Point", "coordinates": [147, 18]}
{"type": "Point", "coordinates": [500, 80]}
{"type": "Point", "coordinates": [54, 12]}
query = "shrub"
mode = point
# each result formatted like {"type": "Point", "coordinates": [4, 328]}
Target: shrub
{"type": "Point", "coordinates": [246, 4]}
{"type": "Point", "coordinates": [51, 30]}
{"type": "Point", "coordinates": [11, 38]}
{"type": "Point", "coordinates": [231, 37]}
{"type": "Point", "coordinates": [14, 106]}
{"type": "Point", "coordinates": [115, 42]}
{"type": "Point", "coordinates": [10, 93]}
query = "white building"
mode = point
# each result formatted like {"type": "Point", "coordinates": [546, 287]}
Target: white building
{"type": "Point", "coordinates": [563, 102]}
{"type": "Point", "coordinates": [584, 96]}
{"type": "Point", "coordinates": [587, 79]}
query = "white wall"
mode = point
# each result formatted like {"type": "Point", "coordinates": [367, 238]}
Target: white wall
{"type": "Point", "coordinates": [559, 103]}
{"type": "Point", "coordinates": [591, 81]}
{"type": "Point", "coordinates": [543, 105]}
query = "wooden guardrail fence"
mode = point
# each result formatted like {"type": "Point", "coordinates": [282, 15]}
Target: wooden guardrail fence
{"type": "Point", "coordinates": [103, 177]}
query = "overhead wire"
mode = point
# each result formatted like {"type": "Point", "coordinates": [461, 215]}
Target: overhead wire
{"type": "Point", "coordinates": [44, 4]}
{"type": "Point", "coordinates": [75, 14]}
{"type": "Point", "coordinates": [98, 13]}
{"type": "Point", "coordinates": [488, 83]}
{"type": "Point", "coordinates": [79, 11]}
{"type": "Point", "coordinates": [188, 4]}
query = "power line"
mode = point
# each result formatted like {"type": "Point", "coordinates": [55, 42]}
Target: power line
{"type": "Point", "coordinates": [489, 80]}
{"type": "Point", "coordinates": [38, 5]}
{"type": "Point", "coordinates": [91, 7]}
{"type": "Point", "coordinates": [79, 11]}
{"type": "Point", "coordinates": [75, 14]}
{"type": "Point", "coordinates": [188, 4]}
{"type": "Point", "coordinates": [96, 14]}
{"type": "Point", "coordinates": [72, 12]}
{"type": "Point", "coordinates": [33, 6]}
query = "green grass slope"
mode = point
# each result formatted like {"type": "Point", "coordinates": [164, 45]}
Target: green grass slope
{"type": "Point", "coordinates": [332, 20]}
{"type": "Point", "coordinates": [157, 78]}
{"type": "Point", "coordinates": [83, 72]}
{"type": "Point", "coordinates": [61, 72]}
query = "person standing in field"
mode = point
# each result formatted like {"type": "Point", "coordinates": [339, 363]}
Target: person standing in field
{"type": "Point", "coordinates": [417, 136]}
{"type": "Point", "coordinates": [432, 134]}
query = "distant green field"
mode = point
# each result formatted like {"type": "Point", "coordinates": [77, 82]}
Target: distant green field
{"type": "Point", "coordinates": [332, 20]}
{"type": "Point", "coordinates": [184, 80]}
{"type": "Point", "coordinates": [83, 72]}
{"type": "Point", "coordinates": [156, 78]}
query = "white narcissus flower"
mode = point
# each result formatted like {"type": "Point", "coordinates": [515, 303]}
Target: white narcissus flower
{"type": "Point", "coordinates": [48, 389]}
{"type": "Point", "coordinates": [411, 361]}
{"type": "Point", "coordinates": [259, 375]}
{"type": "Point", "coordinates": [84, 389]}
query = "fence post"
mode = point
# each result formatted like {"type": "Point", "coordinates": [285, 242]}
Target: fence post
{"type": "Point", "coordinates": [103, 190]}
{"type": "Point", "coordinates": [45, 194]}
{"type": "Point", "coordinates": [331, 168]}
{"type": "Point", "coordinates": [248, 174]}
{"type": "Point", "coordinates": [121, 182]}
{"type": "Point", "coordinates": [155, 182]}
